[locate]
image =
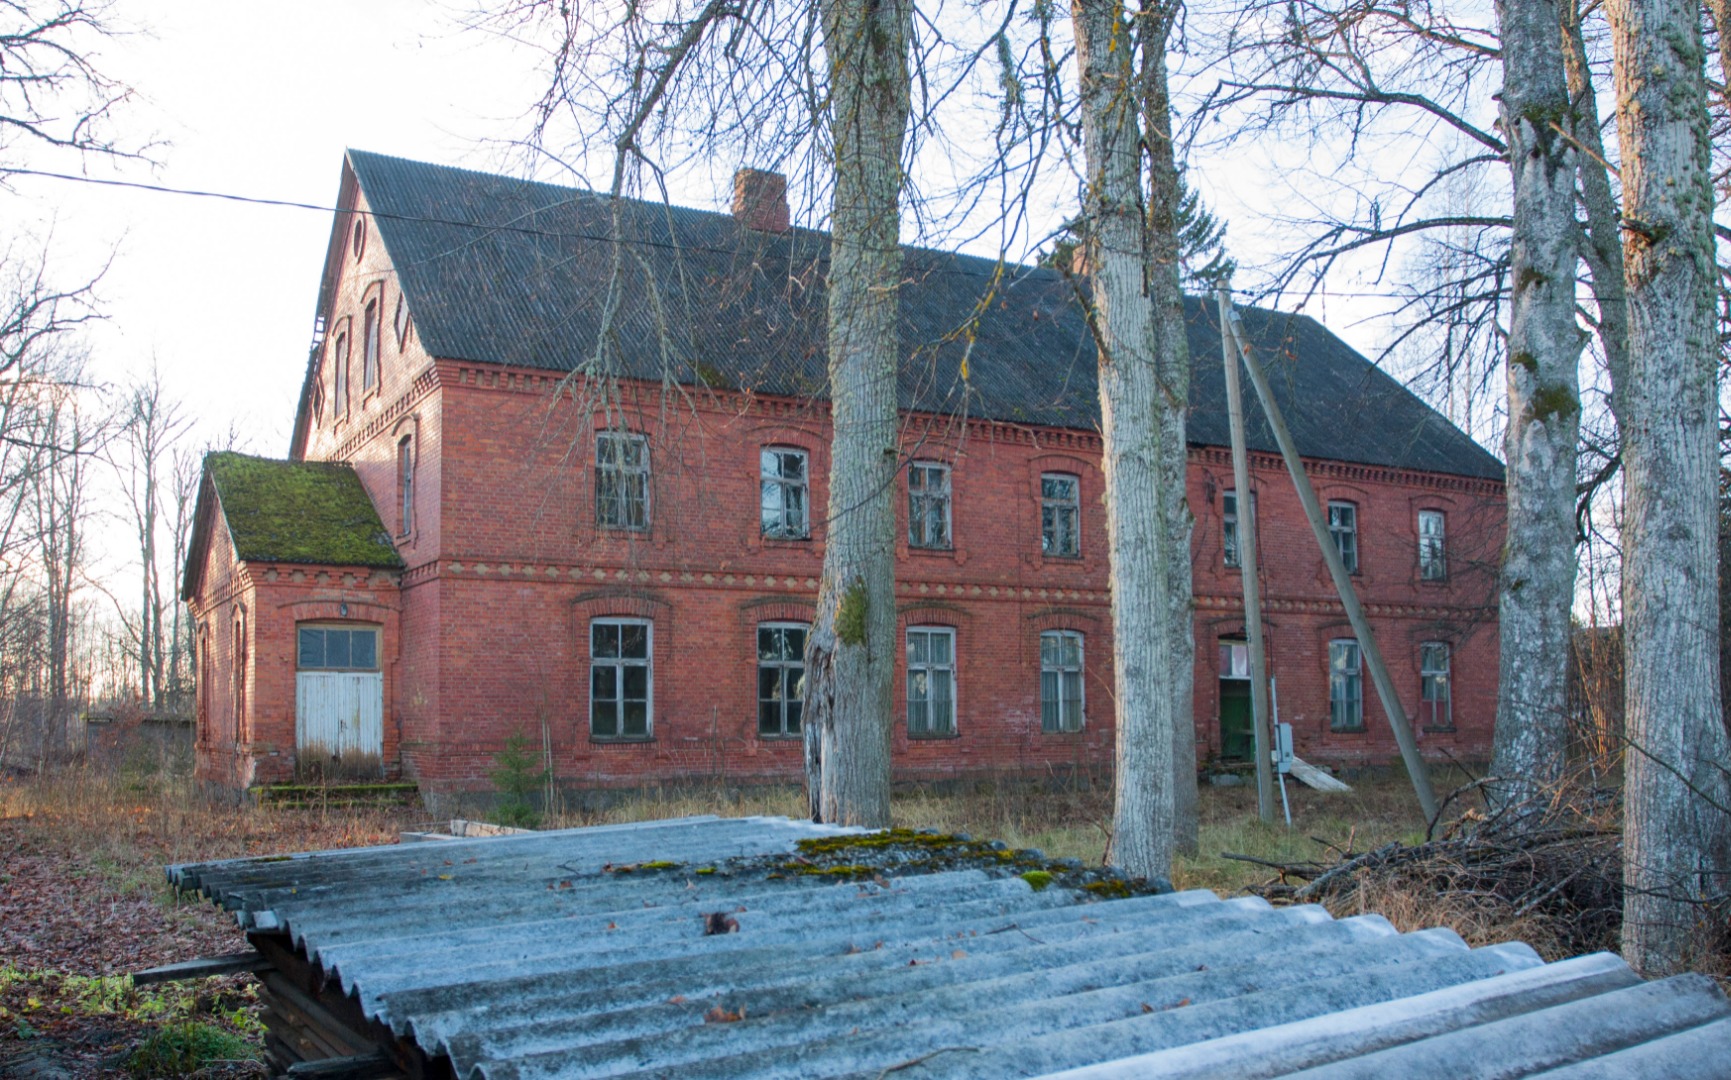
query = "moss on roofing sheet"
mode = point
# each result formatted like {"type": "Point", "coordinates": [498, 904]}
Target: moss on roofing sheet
{"type": "Point", "coordinates": [313, 512]}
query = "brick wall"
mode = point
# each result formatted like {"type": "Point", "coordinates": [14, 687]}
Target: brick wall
{"type": "Point", "coordinates": [508, 567]}
{"type": "Point", "coordinates": [487, 630]}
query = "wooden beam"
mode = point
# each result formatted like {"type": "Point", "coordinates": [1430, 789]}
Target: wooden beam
{"type": "Point", "coordinates": [373, 1066]}
{"type": "Point", "coordinates": [1245, 498]}
{"type": "Point", "coordinates": [202, 968]}
{"type": "Point", "coordinates": [1391, 705]}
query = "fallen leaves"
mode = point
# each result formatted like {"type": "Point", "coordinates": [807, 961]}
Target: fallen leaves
{"type": "Point", "coordinates": [721, 1014]}
{"type": "Point", "coordinates": [719, 922]}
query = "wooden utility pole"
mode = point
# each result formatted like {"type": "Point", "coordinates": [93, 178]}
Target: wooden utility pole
{"type": "Point", "coordinates": [1245, 499]}
{"type": "Point", "coordinates": [1391, 706]}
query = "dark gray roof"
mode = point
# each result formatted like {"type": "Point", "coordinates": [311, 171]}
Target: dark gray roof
{"type": "Point", "coordinates": [515, 272]}
{"type": "Point", "coordinates": [541, 956]}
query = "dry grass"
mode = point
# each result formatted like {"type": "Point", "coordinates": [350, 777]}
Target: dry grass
{"type": "Point", "coordinates": [127, 829]}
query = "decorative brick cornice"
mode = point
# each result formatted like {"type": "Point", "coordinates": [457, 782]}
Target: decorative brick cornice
{"type": "Point", "coordinates": [1457, 612]}
{"type": "Point", "coordinates": [1354, 472]}
{"type": "Point", "coordinates": [384, 418]}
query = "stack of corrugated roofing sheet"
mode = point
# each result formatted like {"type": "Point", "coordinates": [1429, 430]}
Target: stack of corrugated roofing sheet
{"type": "Point", "coordinates": [592, 952]}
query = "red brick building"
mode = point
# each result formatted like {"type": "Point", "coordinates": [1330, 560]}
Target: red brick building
{"type": "Point", "coordinates": [562, 471]}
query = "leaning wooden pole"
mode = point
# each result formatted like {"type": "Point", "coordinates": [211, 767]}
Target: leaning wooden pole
{"type": "Point", "coordinates": [1246, 507]}
{"type": "Point", "coordinates": [1391, 706]}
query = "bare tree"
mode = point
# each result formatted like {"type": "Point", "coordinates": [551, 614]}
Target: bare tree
{"type": "Point", "coordinates": [151, 424]}
{"type": "Point", "coordinates": [52, 91]}
{"type": "Point", "coordinates": [851, 650]}
{"type": "Point", "coordinates": [1677, 791]}
{"type": "Point", "coordinates": [60, 496]}
{"type": "Point", "coordinates": [1544, 343]}
{"type": "Point", "coordinates": [1127, 316]}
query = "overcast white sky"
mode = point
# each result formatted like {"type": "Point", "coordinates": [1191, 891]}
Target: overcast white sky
{"type": "Point", "coordinates": [260, 100]}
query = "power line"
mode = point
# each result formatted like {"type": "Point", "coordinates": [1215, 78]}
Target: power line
{"type": "Point", "coordinates": [523, 230]}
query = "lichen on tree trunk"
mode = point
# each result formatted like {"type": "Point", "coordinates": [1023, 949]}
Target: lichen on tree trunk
{"type": "Point", "coordinates": [1544, 344]}
{"type": "Point", "coordinates": [1134, 426]}
{"type": "Point", "coordinates": [851, 651]}
{"type": "Point", "coordinates": [1677, 833]}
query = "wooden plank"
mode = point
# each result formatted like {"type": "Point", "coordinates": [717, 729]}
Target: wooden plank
{"type": "Point", "coordinates": [299, 1008]}
{"type": "Point", "coordinates": [1311, 776]}
{"type": "Point", "coordinates": [202, 968]}
{"type": "Point", "coordinates": [373, 1066]}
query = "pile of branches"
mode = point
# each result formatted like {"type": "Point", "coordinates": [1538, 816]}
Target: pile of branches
{"type": "Point", "coordinates": [1550, 875]}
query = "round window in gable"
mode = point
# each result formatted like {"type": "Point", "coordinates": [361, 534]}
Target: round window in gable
{"type": "Point", "coordinates": [359, 243]}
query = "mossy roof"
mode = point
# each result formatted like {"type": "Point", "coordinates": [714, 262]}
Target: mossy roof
{"type": "Point", "coordinates": [312, 512]}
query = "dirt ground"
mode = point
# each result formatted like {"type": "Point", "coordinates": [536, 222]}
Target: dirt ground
{"type": "Point", "coordinates": [83, 899]}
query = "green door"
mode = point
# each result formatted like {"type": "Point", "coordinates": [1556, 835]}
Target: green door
{"type": "Point", "coordinates": [1237, 739]}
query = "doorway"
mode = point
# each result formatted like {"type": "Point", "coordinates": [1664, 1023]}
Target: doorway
{"type": "Point", "coordinates": [1237, 730]}
{"type": "Point", "coordinates": [339, 703]}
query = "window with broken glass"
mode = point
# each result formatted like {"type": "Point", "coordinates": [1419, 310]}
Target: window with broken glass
{"type": "Point", "coordinates": [780, 678]}
{"type": "Point", "coordinates": [785, 490]}
{"type": "Point", "coordinates": [620, 698]}
{"type": "Point", "coordinates": [1060, 681]}
{"type": "Point", "coordinates": [1345, 687]}
{"type": "Point", "coordinates": [1060, 509]}
{"type": "Point", "coordinates": [1229, 525]}
{"type": "Point", "coordinates": [1343, 526]}
{"type": "Point", "coordinates": [1436, 706]}
{"type": "Point", "coordinates": [931, 680]}
{"type": "Point", "coordinates": [928, 505]}
{"type": "Point", "coordinates": [622, 480]}
{"type": "Point", "coordinates": [1432, 553]}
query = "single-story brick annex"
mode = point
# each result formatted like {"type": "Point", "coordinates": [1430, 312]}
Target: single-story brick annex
{"type": "Point", "coordinates": [472, 538]}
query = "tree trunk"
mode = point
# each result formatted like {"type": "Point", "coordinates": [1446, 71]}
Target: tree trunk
{"type": "Point", "coordinates": [1537, 589]}
{"type": "Point", "coordinates": [1675, 841]}
{"type": "Point", "coordinates": [1603, 250]}
{"type": "Point", "coordinates": [851, 651]}
{"type": "Point", "coordinates": [1123, 323]}
{"type": "Point", "coordinates": [1171, 402]}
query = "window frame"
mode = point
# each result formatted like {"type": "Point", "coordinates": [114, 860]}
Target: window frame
{"type": "Point", "coordinates": [400, 320]}
{"type": "Point", "coordinates": [1057, 504]}
{"type": "Point", "coordinates": [1433, 567]}
{"type": "Point", "coordinates": [1065, 725]}
{"type": "Point", "coordinates": [406, 484]}
{"type": "Point", "coordinates": [784, 484]}
{"type": "Point", "coordinates": [620, 471]}
{"type": "Point", "coordinates": [373, 629]}
{"type": "Point", "coordinates": [370, 374]}
{"type": "Point", "coordinates": [619, 664]}
{"type": "Point", "coordinates": [340, 375]}
{"type": "Point", "coordinates": [1231, 550]}
{"type": "Point", "coordinates": [1341, 678]}
{"type": "Point", "coordinates": [785, 668]}
{"type": "Point", "coordinates": [929, 668]}
{"type": "Point", "coordinates": [1349, 531]}
{"type": "Point", "coordinates": [1427, 675]}
{"type": "Point", "coordinates": [920, 502]}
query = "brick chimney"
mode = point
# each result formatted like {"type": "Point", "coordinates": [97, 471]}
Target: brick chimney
{"type": "Point", "coordinates": [760, 200]}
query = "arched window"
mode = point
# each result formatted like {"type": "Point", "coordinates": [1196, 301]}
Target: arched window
{"type": "Point", "coordinates": [1060, 681]}
{"type": "Point", "coordinates": [406, 483]}
{"type": "Point", "coordinates": [780, 678]}
{"type": "Point", "coordinates": [931, 680]}
{"type": "Point", "coordinates": [1060, 515]}
{"type": "Point", "coordinates": [1345, 686]}
{"type": "Point", "coordinates": [1436, 703]}
{"type": "Point", "coordinates": [370, 347]}
{"type": "Point", "coordinates": [340, 376]}
{"type": "Point", "coordinates": [621, 679]}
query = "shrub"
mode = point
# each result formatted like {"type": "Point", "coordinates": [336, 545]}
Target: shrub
{"type": "Point", "coordinates": [185, 1048]}
{"type": "Point", "coordinates": [515, 778]}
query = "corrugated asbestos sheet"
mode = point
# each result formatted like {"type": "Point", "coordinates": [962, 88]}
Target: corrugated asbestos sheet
{"type": "Point", "coordinates": [584, 953]}
{"type": "Point", "coordinates": [508, 271]}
